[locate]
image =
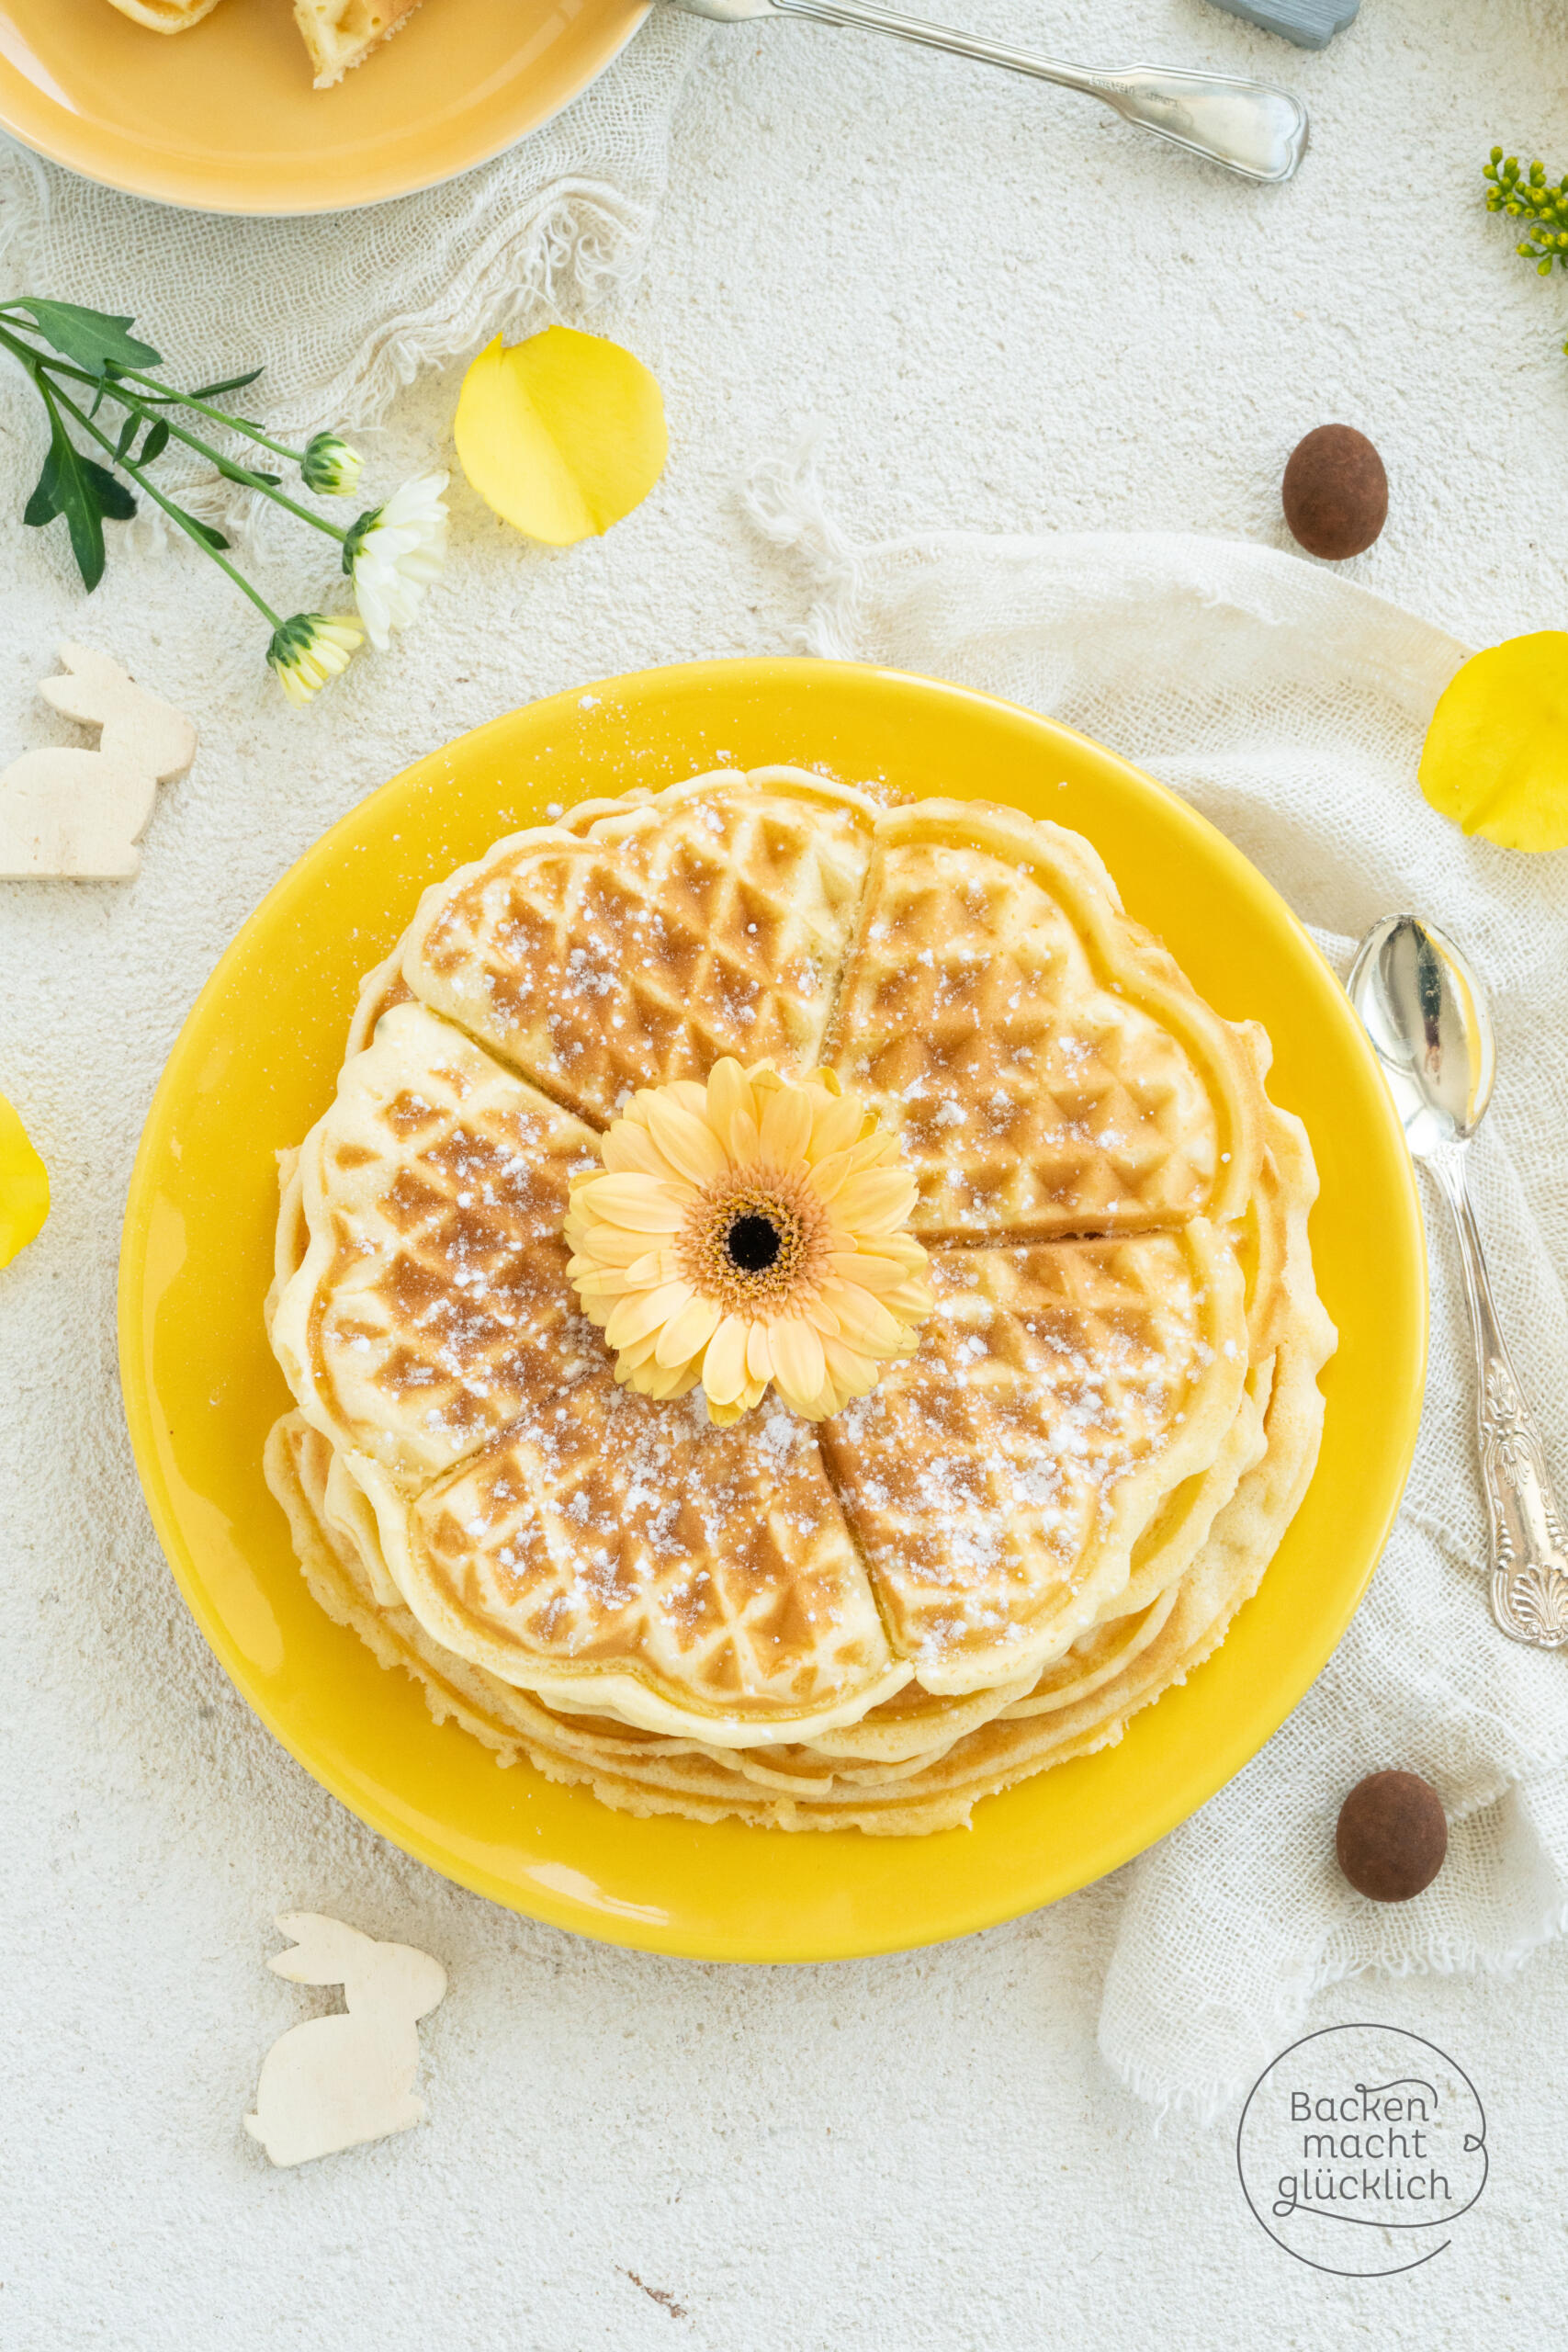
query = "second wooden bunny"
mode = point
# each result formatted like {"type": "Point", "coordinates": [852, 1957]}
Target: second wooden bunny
{"type": "Point", "coordinates": [80, 813]}
{"type": "Point", "coordinates": [335, 2082]}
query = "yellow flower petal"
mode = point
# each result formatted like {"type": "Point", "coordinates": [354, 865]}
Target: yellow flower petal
{"type": "Point", "coordinates": [875, 1202]}
{"type": "Point", "coordinates": [880, 1275]}
{"type": "Point", "coordinates": [562, 434]}
{"type": "Point", "coordinates": [24, 1185]}
{"type": "Point", "coordinates": [641, 1203]}
{"type": "Point", "coordinates": [759, 1354]}
{"type": "Point", "coordinates": [745, 1139]}
{"type": "Point", "coordinates": [863, 1321]}
{"type": "Point", "coordinates": [636, 1316]}
{"type": "Point", "coordinates": [729, 1096]}
{"type": "Point", "coordinates": [687, 1332]}
{"type": "Point", "coordinates": [853, 1374]}
{"type": "Point", "coordinates": [834, 1127]}
{"type": "Point", "coordinates": [1495, 759]}
{"type": "Point", "coordinates": [629, 1149]}
{"type": "Point", "coordinates": [787, 1127]}
{"type": "Point", "coordinates": [724, 1365]}
{"type": "Point", "coordinates": [800, 1366]}
{"type": "Point", "coordinates": [611, 1245]}
{"type": "Point", "coordinates": [688, 1144]}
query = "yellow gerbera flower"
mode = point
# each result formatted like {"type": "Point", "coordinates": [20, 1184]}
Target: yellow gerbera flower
{"type": "Point", "coordinates": [746, 1231]}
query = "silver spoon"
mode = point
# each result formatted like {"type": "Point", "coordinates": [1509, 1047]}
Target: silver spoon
{"type": "Point", "coordinates": [1425, 1015]}
{"type": "Point", "coordinates": [1248, 127]}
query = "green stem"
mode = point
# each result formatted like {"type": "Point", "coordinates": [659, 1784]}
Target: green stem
{"type": "Point", "coordinates": [251, 481]}
{"type": "Point", "coordinates": [219, 416]}
{"type": "Point", "coordinates": [175, 513]}
{"type": "Point", "coordinates": [39, 363]}
{"type": "Point", "coordinates": [34, 360]}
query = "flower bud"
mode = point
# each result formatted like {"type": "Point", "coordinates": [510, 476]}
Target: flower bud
{"type": "Point", "coordinates": [330, 466]}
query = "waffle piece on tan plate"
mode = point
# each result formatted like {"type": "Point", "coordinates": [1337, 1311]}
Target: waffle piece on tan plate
{"type": "Point", "coordinates": [797, 1310]}
{"type": "Point", "coordinates": [337, 34]}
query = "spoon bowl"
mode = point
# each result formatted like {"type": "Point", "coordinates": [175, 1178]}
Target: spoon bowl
{"type": "Point", "coordinates": [1422, 1006]}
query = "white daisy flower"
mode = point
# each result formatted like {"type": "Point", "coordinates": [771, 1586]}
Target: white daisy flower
{"type": "Point", "coordinates": [394, 553]}
{"type": "Point", "coordinates": [311, 648]}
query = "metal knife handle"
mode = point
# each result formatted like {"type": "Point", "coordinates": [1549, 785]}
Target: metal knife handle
{"type": "Point", "coordinates": [1529, 1566]}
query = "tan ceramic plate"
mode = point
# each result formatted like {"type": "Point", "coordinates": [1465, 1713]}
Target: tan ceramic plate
{"type": "Point", "coordinates": [223, 118]}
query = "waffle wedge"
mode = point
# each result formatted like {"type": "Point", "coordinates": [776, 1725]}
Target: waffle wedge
{"type": "Point", "coordinates": [1045, 1063]}
{"type": "Point", "coordinates": [712, 919]}
{"type": "Point", "coordinates": [339, 34]}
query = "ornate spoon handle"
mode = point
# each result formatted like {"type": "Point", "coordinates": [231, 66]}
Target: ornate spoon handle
{"type": "Point", "coordinates": [1529, 1570]}
{"type": "Point", "coordinates": [1250, 126]}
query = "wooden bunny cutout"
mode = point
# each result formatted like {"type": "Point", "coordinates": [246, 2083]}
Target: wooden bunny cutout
{"type": "Point", "coordinates": [80, 813]}
{"type": "Point", "coordinates": [336, 2081]}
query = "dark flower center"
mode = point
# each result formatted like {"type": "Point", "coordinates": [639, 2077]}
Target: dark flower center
{"type": "Point", "coordinates": [752, 1244]}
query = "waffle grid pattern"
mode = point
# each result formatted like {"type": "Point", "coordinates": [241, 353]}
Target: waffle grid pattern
{"type": "Point", "coordinates": [684, 919]}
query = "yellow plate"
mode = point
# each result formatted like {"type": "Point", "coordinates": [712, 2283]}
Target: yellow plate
{"type": "Point", "coordinates": [223, 117]}
{"type": "Point", "coordinates": [256, 1064]}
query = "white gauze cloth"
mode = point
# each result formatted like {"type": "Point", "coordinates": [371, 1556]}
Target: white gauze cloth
{"type": "Point", "coordinates": [346, 307]}
{"type": "Point", "coordinates": [1288, 707]}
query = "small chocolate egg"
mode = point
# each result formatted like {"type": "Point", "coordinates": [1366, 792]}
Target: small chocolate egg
{"type": "Point", "coordinates": [1392, 1837]}
{"type": "Point", "coordinates": [1334, 493]}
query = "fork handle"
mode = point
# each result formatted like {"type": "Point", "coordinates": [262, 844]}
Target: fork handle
{"type": "Point", "coordinates": [1529, 1571]}
{"type": "Point", "coordinates": [1250, 126]}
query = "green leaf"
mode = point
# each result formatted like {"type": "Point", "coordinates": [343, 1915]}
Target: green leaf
{"type": "Point", "coordinates": [230, 384]}
{"type": "Point", "coordinates": [157, 441]}
{"type": "Point", "coordinates": [115, 501]}
{"type": "Point", "coordinates": [76, 497]}
{"type": "Point", "coordinates": [94, 339]}
{"type": "Point", "coordinates": [44, 504]}
{"type": "Point", "coordinates": [245, 475]}
{"type": "Point", "coordinates": [203, 530]}
{"type": "Point", "coordinates": [127, 433]}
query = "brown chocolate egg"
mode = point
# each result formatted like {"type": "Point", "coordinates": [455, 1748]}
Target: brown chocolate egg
{"type": "Point", "coordinates": [1393, 1836]}
{"type": "Point", "coordinates": [1334, 493]}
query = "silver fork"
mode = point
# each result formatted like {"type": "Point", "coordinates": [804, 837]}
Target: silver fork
{"type": "Point", "coordinates": [1250, 126]}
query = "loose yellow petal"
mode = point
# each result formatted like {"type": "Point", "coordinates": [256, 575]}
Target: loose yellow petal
{"type": "Point", "coordinates": [1495, 759]}
{"type": "Point", "coordinates": [24, 1185]}
{"type": "Point", "coordinates": [562, 434]}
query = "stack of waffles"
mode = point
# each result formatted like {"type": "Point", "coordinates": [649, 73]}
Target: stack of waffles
{"type": "Point", "coordinates": [1032, 1526]}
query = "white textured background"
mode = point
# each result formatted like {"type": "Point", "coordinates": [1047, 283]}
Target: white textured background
{"type": "Point", "coordinates": [1007, 312]}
